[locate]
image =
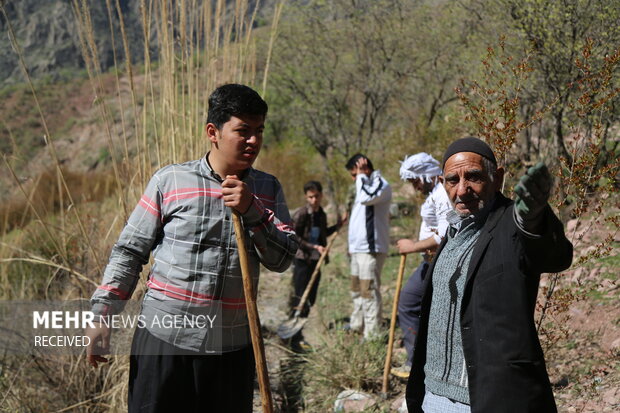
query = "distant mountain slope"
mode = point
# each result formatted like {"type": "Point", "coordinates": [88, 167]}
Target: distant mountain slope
{"type": "Point", "coordinates": [47, 33]}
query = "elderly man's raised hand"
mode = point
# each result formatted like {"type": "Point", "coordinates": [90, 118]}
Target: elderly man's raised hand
{"type": "Point", "coordinates": [533, 190]}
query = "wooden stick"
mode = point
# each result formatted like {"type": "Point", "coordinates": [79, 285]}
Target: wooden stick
{"type": "Point", "coordinates": [253, 318]}
{"type": "Point", "coordinates": [314, 275]}
{"type": "Point", "coordinates": [388, 359]}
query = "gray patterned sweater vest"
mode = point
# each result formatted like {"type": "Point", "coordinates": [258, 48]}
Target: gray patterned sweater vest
{"type": "Point", "coordinates": [445, 370]}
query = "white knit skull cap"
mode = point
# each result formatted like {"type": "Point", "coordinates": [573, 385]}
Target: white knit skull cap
{"type": "Point", "coordinates": [421, 165]}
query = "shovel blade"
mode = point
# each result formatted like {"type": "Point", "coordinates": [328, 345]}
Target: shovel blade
{"type": "Point", "coordinates": [291, 327]}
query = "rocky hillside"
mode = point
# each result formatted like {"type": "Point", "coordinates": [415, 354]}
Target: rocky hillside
{"type": "Point", "coordinates": [47, 32]}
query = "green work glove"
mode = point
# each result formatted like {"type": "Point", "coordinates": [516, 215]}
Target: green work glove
{"type": "Point", "coordinates": [532, 191]}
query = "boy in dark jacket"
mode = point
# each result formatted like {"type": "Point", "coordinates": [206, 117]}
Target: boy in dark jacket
{"type": "Point", "coordinates": [310, 224]}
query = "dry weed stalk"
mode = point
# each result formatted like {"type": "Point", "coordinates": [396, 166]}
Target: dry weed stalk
{"type": "Point", "coordinates": [584, 182]}
{"type": "Point", "coordinates": [199, 45]}
{"type": "Point", "coordinates": [587, 179]}
{"type": "Point", "coordinates": [47, 136]}
{"type": "Point", "coordinates": [493, 102]}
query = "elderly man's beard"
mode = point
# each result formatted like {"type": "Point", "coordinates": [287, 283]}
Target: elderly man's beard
{"type": "Point", "coordinates": [473, 197]}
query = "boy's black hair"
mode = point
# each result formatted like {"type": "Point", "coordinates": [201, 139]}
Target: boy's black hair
{"type": "Point", "coordinates": [234, 100]}
{"type": "Point", "coordinates": [351, 162]}
{"type": "Point", "coordinates": [313, 186]}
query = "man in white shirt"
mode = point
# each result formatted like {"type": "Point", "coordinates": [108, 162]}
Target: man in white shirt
{"type": "Point", "coordinates": [424, 172]}
{"type": "Point", "coordinates": [368, 243]}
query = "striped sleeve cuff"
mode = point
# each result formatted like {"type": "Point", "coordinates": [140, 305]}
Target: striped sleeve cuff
{"type": "Point", "coordinates": [101, 309]}
{"type": "Point", "coordinates": [254, 215]}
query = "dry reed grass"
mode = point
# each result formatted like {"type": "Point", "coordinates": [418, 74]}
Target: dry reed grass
{"type": "Point", "coordinates": [55, 241]}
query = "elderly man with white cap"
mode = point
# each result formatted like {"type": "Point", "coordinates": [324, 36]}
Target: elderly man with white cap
{"type": "Point", "coordinates": [424, 172]}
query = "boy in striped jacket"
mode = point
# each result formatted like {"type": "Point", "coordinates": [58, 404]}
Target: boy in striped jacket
{"type": "Point", "coordinates": [184, 220]}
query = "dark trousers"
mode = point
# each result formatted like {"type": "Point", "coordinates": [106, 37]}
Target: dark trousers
{"type": "Point", "coordinates": [161, 383]}
{"type": "Point", "coordinates": [301, 277]}
{"type": "Point", "coordinates": [409, 306]}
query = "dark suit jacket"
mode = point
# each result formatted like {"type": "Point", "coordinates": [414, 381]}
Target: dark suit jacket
{"type": "Point", "coordinates": [505, 363]}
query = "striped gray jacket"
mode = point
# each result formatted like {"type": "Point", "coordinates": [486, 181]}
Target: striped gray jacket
{"type": "Point", "coordinates": [182, 220]}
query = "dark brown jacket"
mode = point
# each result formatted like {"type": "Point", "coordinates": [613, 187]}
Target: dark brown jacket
{"type": "Point", "coordinates": [303, 221]}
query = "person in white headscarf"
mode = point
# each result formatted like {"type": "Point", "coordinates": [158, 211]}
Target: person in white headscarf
{"type": "Point", "coordinates": [424, 173]}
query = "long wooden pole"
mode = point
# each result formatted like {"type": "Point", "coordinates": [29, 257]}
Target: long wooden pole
{"type": "Point", "coordinates": [314, 275]}
{"type": "Point", "coordinates": [253, 318]}
{"type": "Point", "coordinates": [388, 359]}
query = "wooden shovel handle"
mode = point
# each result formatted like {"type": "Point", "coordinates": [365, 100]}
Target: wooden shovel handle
{"type": "Point", "coordinates": [315, 273]}
{"type": "Point", "coordinates": [388, 359]}
{"type": "Point", "coordinates": [253, 318]}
